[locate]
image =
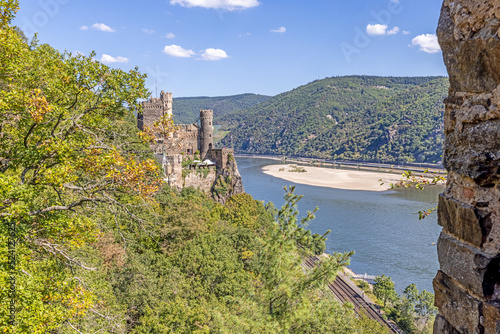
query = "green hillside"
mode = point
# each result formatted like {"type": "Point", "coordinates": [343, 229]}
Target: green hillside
{"type": "Point", "coordinates": [93, 240]}
{"type": "Point", "coordinates": [387, 119]}
{"type": "Point", "coordinates": [186, 109]}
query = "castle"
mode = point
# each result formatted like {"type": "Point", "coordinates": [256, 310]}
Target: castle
{"type": "Point", "coordinates": [194, 149]}
{"type": "Point", "coordinates": [193, 137]}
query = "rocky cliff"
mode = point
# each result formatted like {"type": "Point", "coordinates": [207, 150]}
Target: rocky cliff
{"type": "Point", "coordinates": [228, 182]}
{"type": "Point", "coordinates": [467, 286]}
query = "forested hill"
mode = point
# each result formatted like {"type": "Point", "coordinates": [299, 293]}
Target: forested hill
{"type": "Point", "coordinates": [387, 119]}
{"type": "Point", "coordinates": [186, 109]}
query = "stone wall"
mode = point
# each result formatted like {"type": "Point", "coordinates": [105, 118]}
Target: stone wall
{"type": "Point", "coordinates": [467, 286]}
{"type": "Point", "coordinates": [220, 156]}
{"type": "Point", "coordinates": [153, 109]}
{"type": "Point", "coordinates": [197, 178]}
{"type": "Point", "coordinates": [206, 133]}
{"type": "Point", "coordinates": [172, 167]}
{"type": "Point", "coordinates": [189, 139]}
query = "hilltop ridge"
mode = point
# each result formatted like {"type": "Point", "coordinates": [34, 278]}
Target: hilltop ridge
{"type": "Point", "coordinates": [186, 108]}
{"type": "Point", "coordinates": [386, 119]}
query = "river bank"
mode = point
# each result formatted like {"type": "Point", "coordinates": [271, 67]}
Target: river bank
{"type": "Point", "coordinates": [358, 165]}
{"type": "Point", "coordinates": [333, 178]}
{"type": "Point", "coordinates": [378, 225]}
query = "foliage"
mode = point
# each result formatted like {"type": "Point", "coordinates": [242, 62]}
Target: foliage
{"type": "Point", "coordinates": [419, 181]}
{"type": "Point", "coordinates": [221, 185]}
{"type": "Point", "coordinates": [281, 257]}
{"type": "Point", "coordinates": [413, 311]}
{"type": "Point", "coordinates": [186, 108]}
{"type": "Point", "coordinates": [384, 289]}
{"type": "Point", "coordinates": [297, 169]}
{"type": "Point", "coordinates": [244, 211]}
{"type": "Point", "coordinates": [67, 146]}
{"type": "Point", "coordinates": [102, 246]}
{"type": "Point", "coordinates": [203, 172]}
{"type": "Point", "coordinates": [382, 119]}
{"type": "Point", "coordinates": [212, 268]}
{"type": "Point", "coordinates": [161, 136]}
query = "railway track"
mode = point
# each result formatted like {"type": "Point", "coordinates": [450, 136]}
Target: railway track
{"type": "Point", "coordinates": [345, 293]}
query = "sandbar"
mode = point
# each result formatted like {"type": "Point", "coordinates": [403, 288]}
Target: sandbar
{"type": "Point", "coordinates": [334, 178]}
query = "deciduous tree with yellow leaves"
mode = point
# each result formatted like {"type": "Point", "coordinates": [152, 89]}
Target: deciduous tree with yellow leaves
{"type": "Point", "coordinates": [65, 149]}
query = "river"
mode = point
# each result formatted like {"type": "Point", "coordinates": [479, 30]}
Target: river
{"type": "Point", "coordinates": [381, 227]}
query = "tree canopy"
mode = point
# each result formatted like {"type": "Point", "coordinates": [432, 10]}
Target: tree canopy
{"type": "Point", "coordinates": [67, 147]}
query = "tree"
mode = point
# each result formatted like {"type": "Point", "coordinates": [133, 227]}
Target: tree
{"type": "Point", "coordinates": [384, 289]}
{"type": "Point", "coordinates": [414, 310]}
{"type": "Point", "coordinates": [284, 282]}
{"type": "Point", "coordinates": [425, 305]}
{"type": "Point", "coordinates": [66, 148]}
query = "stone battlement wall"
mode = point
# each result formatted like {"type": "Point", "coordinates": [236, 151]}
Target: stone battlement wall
{"type": "Point", "coordinates": [467, 286]}
{"type": "Point", "coordinates": [153, 109]}
{"type": "Point", "coordinates": [220, 156]}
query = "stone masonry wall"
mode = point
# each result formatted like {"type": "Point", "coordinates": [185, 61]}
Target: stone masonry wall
{"type": "Point", "coordinates": [220, 156]}
{"type": "Point", "coordinates": [467, 286]}
{"type": "Point", "coordinates": [153, 109]}
{"type": "Point", "coordinates": [196, 179]}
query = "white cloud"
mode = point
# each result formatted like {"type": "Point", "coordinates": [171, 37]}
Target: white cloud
{"type": "Point", "coordinates": [244, 35]}
{"type": "Point", "coordinates": [107, 59]}
{"type": "Point", "coordinates": [395, 1]}
{"type": "Point", "coordinates": [380, 30]}
{"type": "Point", "coordinates": [406, 32]}
{"type": "Point", "coordinates": [229, 5]}
{"type": "Point", "coordinates": [393, 31]}
{"type": "Point", "coordinates": [279, 30]}
{"type": "Point", "coordinates": [148, 31]}
{"type": "Point", "coordinates": [427, 42]}
{"type": "Point", "coordinates": [98, 26]}
{"type": "Point", "coordinates": [102, 27]}
{"type": "Point", "coordinates": [177, 51]}
{"type": "Point", "coordinates": [214, 54]}
{"type": "Point", "coordinates": [376, 29]}
{"type": "Point", "coordinates": [170, 35]}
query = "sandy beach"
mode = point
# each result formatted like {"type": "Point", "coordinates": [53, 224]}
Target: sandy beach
{"type": "Point", "coordinates": [334, 178]}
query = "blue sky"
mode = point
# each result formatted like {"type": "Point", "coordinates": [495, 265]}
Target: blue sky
{"type": "Point", "coordinates": [226, 47]}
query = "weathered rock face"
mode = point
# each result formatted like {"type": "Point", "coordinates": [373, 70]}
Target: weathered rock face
{"type": "Point", "coordinates": [467, 286]}
{"type": "Point", "coordinates": [221, 182]}
{"type": "Point", "coordinates": [228, 182]}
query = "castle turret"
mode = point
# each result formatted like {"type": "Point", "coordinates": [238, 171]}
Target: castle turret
{"type": "Point", "coordinates": [206, 132]}
{"type": "Point", "coordinates": [167, 101]}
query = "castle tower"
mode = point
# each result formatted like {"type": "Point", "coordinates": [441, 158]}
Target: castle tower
{"type": "Point", "coordinates": [153, 109]}
{"type": "Point", "coordinates": [206, 132]}
{"type": "Point", "coordinates": [167, 102]}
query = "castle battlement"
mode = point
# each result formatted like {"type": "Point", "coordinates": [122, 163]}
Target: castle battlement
{"type": "Point", "coordinates": [191, 138]}
{"type": "Point", "coordinates": [155, 108]}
